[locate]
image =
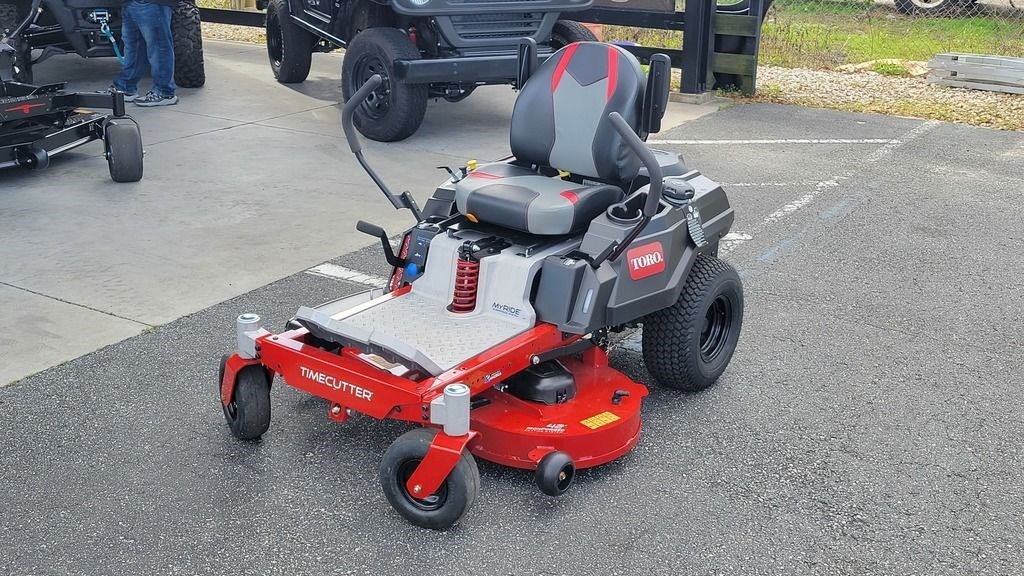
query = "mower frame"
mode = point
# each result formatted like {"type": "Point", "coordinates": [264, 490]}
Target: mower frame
{"type": "Point", "coordinates": [40, 122]}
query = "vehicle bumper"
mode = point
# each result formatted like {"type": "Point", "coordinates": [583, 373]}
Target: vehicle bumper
{"type": "Point", "coordinates": [497, 69]}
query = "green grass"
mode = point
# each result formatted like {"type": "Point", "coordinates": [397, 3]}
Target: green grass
{"type": "Point", "coordinates": [830, 33]}
{"type": "Point", "coordinates": [890, 69]}
{"type": "Point", "coordinates": [824, 34]}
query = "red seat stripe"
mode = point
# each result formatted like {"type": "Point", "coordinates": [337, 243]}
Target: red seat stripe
{"type": "Point", "coordinates": [613, 71]}
{"type": "Point", "coordinates": [562, 64]}
{"type": "Point", "coordinates": [479, 174]}
{"type": "Point", "coordinates": [570, 196]}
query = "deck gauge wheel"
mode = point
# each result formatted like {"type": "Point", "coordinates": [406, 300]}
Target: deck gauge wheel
{"type": "Point", "coordinates": [555, 473]}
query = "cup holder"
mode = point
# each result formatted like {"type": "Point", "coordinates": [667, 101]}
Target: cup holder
{"type": "Point", "coordinates": [623, 213]}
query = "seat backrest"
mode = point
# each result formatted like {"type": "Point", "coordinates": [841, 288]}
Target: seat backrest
{"type": "Point", "coordinates": [561, 115]}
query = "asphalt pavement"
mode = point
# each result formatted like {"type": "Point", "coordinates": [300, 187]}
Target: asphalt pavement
{"type": "Point", "coordinates": [870, 421]}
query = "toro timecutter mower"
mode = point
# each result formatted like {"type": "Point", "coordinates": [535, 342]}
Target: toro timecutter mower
{"type": "Point", "coordinates": [492, 332]}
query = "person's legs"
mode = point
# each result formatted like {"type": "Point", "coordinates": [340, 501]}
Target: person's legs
{"type": "Point", "coordinates": [134, 66]}
{"type": "Point", "coordinates": [155, 27]}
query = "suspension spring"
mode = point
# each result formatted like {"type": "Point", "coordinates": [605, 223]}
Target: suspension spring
{"type": "Point", "coordinates": [467, 277]}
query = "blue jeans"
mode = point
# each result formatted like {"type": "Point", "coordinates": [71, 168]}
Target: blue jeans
{"type": "Point", "coordinates": [146, 29]}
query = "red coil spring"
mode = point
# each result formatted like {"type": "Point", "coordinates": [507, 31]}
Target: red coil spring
{"type": "Point", "coordinates": [467, 276]}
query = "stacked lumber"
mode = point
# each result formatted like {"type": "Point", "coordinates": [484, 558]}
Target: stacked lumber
{"type": "Point", "coordinates": [995, 73]}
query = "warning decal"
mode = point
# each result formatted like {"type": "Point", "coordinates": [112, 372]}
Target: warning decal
{"type": "Point", "coordinates": [598, 420]}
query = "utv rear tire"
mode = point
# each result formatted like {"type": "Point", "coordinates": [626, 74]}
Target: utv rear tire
{"type": "Point", "coordinates": [395, 110]}
{"type": "Point", "coordinates": [123, 143]}
{"type": "Point", "coordinates": [289, 47]}
{"type": "Point", "coordinates": [186, 29]}
{"type": "Point", "coordinates": [688, 345]}
{"type": "Point", "coordinates": [9, 18]}
{"type": "Point", "coordinates": [566, 32]}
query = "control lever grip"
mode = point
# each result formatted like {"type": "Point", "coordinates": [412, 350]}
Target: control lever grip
{"type": "Point", "coordinates": [379, 233]}
{"type": "Point", "coordinates": [349, 110]}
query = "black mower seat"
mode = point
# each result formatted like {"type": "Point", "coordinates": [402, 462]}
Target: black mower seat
{"type": "Point", "coordinates": [519, 198]}
{"type": "Point", "coordinates": [560, 121]}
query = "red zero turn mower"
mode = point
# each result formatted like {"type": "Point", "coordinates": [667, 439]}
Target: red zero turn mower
{"type": "Point", "coordinates": [491, 333]}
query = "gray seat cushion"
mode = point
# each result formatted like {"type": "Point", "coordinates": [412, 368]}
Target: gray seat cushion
{"type": "Point", "coordinates": [519, 198]}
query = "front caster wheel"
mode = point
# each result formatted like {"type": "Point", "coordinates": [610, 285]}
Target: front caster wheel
{"type": "Point", "coordinates": [440, 510]}
{"type": "Point", "coordinates": [688, 345]}
{"type": "Point", "coordinates": [123, 143]}
{"type": "Point", "coordinates": [555, 473]}
{"type": "Point", "coordinates": [248, 413]}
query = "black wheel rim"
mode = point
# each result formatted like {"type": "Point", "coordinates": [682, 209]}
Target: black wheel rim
{"type": "Point", "coordinates": [378, 102]}
{"type": "Point", "coordinates": [717, 328]}
{"type": "Point", "coordinates": [564, 478]}
{"type": "Point", "coordinates": [433, 502]}
{"type": "Point", "coordinates": [275, 43]}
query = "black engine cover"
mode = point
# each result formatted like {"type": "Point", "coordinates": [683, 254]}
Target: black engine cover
{"type": "Point", "coordinates": [547, 383]}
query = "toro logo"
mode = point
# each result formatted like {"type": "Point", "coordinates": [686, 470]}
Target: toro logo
{"type": "Point", "coordinates": [646, 260]}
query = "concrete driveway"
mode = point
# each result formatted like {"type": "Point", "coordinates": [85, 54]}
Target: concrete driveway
{"type": "Point", "coordinates": [870, 422]}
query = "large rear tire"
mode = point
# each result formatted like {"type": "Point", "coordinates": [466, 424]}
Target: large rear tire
{"type": "Point", "coordinates": [566, 32]}
{"type": "Point", "coordinates": [688, 345]}
{"type": "Point", "coordinates": [395, 110]}
{"type": "Point", "coordinates": [289, 47]}
{"type": "Point", "coordinates": [186, 29]}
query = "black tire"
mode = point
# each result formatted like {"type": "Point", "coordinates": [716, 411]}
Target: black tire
{"type": "Point", "coordinates": [449, 504]}
{"type": "Point", "coordinates": [395, 110]}
{"type": "Point", "coordinates": [9, 19]}
{"type": "Point", "coordinates": [289, 47]}
{"type": "Point", "coordinates": [186, 29]}
{"type": "Point", "coordinates": [123, 143]}
{"type": "Point", "coordinates": [555, 473]}
{"type": "Point", "coordinates": [688, 345]}
{"type": "Point", "coordinates": [248, 413]}
{"type": "Point", "coordinates": [937, 7]}
{"type": "Point", "coordinates": [566, 32]}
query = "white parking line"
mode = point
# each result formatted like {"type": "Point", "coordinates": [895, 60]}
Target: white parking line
{"type": "Point", "coordinates": [732, 240]}
{"type": "Point", "coordinates": [328, 270]}
{"type": "Point", "coordinates": [728, 185]}
{"type": "Point", "coordinates": [784, 141]}
{"type": "Point", "coordinates": [801, 201]}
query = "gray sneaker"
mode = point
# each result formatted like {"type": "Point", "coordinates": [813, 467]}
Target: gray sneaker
{"type": "Point", "coordinates": [127, 97]}
{"type": "Point", "coordinates": [154, 99]}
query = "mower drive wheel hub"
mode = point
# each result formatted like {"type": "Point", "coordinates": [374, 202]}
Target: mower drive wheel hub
{"type": "Point", "coordinates": [717, 327]}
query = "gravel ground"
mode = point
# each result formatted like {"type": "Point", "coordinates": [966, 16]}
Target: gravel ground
{"type": "Point", "coordinates": [236, 33]}
{"type": "Point", "coordinates": [872, 92]}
